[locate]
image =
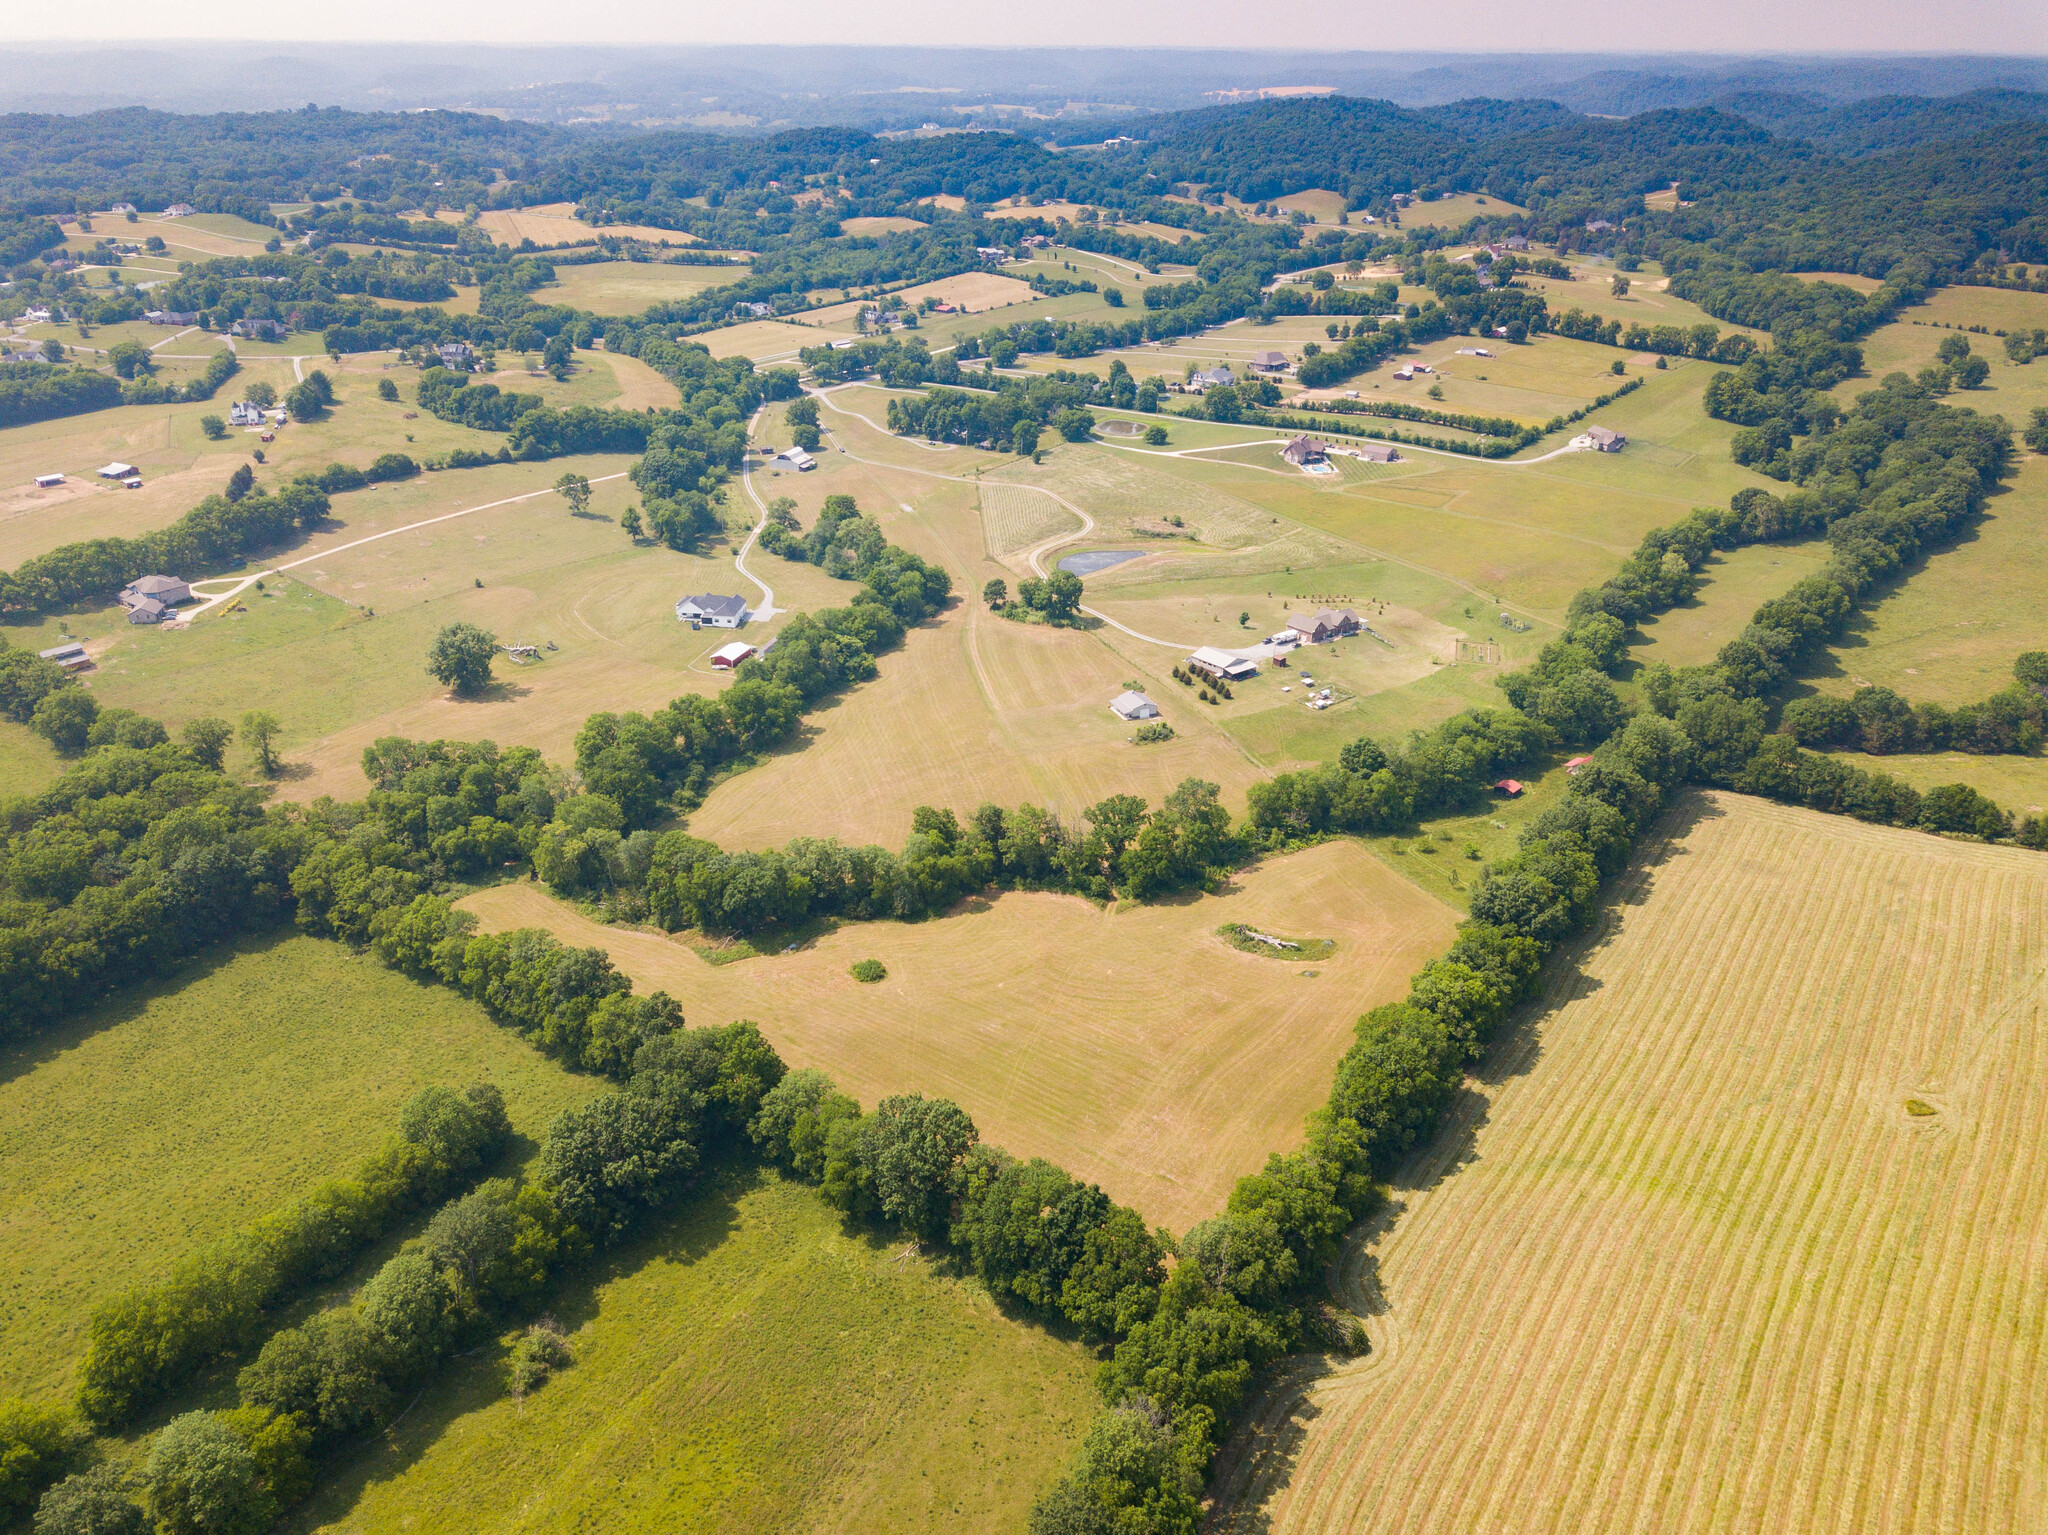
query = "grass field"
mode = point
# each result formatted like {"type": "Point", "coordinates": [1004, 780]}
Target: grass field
{"type": "Point", "coordinates": [175, 1112]}
{"type": "Point", "coordinates": [881, 225]}
{"type": "Point", "coordinates": [337, 677]}
{"type": "Point", "coordinates": [747, 1367]}
{"type": "Point", "coordinates": [1461, 208]}
{"type": "Point", "coordinates": [557, 224]}
{"type": "Point", "coordinates": [1948, 632]}
{"type": "Point", "coordinates": [1682, 1261]}
{"type": "Point", "coordinates": [1043, 1017]}
{"type": "Point", "coordinates": [27, 764]}
{"type": "Point", "coordinates": [2017, 784]}
{"type": "Point", "coordinates": [1737, 582]}
{"type": "Point", "coordinates": [628, 287]}
{"type": "Point", "coordinates": [770, 341]}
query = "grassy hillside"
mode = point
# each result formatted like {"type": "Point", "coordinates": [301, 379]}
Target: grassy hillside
{"type": "Point", "coordinates": [173, 1113]}
{"type": "Point", "coordinates": [1739, 1232]}
{"type": "Point", "coordinates": [748, 1367]}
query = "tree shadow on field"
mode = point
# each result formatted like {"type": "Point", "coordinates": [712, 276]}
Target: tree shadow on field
{"type": "Point", "coordinates": [20, 1057]}
{"type": "Point", "coordinates": [475, 1381]}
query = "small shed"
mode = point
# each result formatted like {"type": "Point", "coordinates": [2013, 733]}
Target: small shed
{"type": "Point", "coordinates": [1133, 706]}
{"type": "Point", "coordinates": [726, 657]}
{"type": "Point", "coordinates": [1377, 452]}
{"type": "Point", "coordinates": [48, 481]}
{"type": "Point", "coordinates": [118, 471]}
{"type": "Point", "coordinates": [1576, 763]}
{"type": "Point", "coordinates": [795, 458]}
{"type": "Point", "coordinates": [1510, 788]}
{"type": "Point", "coordinates": [1269, 362]}
{"type": "Point", "coordinates": [70, 655]}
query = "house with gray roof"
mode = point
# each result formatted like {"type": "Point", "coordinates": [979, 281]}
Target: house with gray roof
{"type": "Point", "coordinates": [709, 611]}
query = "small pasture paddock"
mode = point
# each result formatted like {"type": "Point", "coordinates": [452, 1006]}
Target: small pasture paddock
{"type": "Point", "coordinates": [1462, 208]}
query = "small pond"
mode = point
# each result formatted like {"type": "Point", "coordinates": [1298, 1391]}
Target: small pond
{"type": "Point", "coordinates": [1099, 559]}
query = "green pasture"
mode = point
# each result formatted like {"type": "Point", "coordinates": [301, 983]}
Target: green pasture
{"type": "Point", "coordinates": [747, 1366]}
{"type": "Point", "coordinates": [1736, 583]}
{"type": "Point", "coordinates": [27, 764]}
{"type": "Point", "coordinates": [1462, 208]}
{"type": "Point", "coordinates": [175, 1111]}
{"type": "Point", "coordinates": [629, 287]}
{"type": "Point", "coordinates": [1644, 304]}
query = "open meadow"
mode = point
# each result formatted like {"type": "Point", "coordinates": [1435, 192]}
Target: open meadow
{"type": "Point", "coordinates": [1737, 1231]}
{"type": "Point", "coordinates": [1947, 632]}
{"type": "Point", "coordinates": [1045, 1018]}
{"type": "Point", "coordinates": [630, 287]}
{"type": "Point", "coordinates": [747, 1366]}
{"type": "Point", "coordinates": [1459, 208]}
{"type": "Point", "coordinates": [556, 224]}
{"type": "Point", "coordinates": [175, 1112]}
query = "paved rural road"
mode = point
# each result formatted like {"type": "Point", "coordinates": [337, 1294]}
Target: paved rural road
{"type": "Point", "coordinates": [767, 609]}
{"type": "Point", "coordinates": [242, 583]}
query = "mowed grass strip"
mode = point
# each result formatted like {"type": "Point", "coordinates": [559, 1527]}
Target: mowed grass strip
{"type": "Point", "coordinates": [1130, 1045]}
{"type": "Point", "coordinates": [174, 1113]}
{"type": "Point", "coordinates": [750, 1366]}
{"type": "Point", "coordinates": [1683, 1261]}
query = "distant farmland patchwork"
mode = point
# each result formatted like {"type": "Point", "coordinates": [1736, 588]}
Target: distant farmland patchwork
{"type": "Point", "coordinates": [1692, 1256]}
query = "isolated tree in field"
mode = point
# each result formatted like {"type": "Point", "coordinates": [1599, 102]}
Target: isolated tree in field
{"type": "Point", "coordinates": [1155, 436]}
{"type": "Point", "coordinates": [304, 403]}
{"type": "Point", "coordinates": [1971, 372]}
{"type": "Point", "coordinates": [260, 731]}
{"type": "Point", "coordinates": [996, 592]}
{"type": "Point", "coordinates": [629, 521]}
{"type": "Point", "coordinates": [321, 385]}
{"type": "Point", "coordinates": [782, 512]}
{"type": "Point", "coordinates": [1953, 349]}
{"type": "Point", "coordinates": [387, 389]}
{"type": "Point", "coordinates": [574, 489]}
{"type": "Point", "coordinates": [461, 657]}
{"type": "Point", "coordinates": [214, 428]}
{"type": "Point", "coordinates": [1619, 287]}
{"type": "Point", "coordinates": [240, 483]}
{"type": "Point", "coordinates": [207, 739]}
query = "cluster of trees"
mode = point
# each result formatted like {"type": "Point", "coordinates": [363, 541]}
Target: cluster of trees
{"type": "Point", "coordinates": [207, 537]}
{"type": "Point", "coordinates": [145, 1343]}
{"type": "Point", "coordinates": [1878, 721]}
{"type": "Point", "coordinates": [845, 544]}
{"type": "Point", "coordinates": [1369, 789]}
{"type": "Point", "coordinates": [1124, 846]}
{"type": "Point", "coordinates": [486, 407]}
{"type": "Point", "coordinates": [41, 391]}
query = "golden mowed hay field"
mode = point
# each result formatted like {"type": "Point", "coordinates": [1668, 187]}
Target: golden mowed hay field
{"type": "Point", "coordinates": [1685, 1261]}
{"type": "Point", "coordinates": [1130, 1045]}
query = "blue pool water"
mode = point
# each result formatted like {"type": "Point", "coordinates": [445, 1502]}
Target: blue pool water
{"type": "Point", "coordinates": [1099, 559]}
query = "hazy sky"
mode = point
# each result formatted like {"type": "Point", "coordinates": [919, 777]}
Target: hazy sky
{"type": "Point", "coordinates": [1731, 26]}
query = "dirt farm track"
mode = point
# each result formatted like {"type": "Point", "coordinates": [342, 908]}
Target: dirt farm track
{"type": "Point", "coordinates": [1687, 1260]}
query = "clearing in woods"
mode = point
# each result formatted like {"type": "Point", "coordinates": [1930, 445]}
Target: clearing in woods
{"type": "Point", "coordinates": [172, 1113]}
{"type": "Point", "coordinates": [1045, 1018]}
{"type": "Point", "coordinates": [749, 1366]}
{"type": "Point", "coordinates": [1682, 1261]}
